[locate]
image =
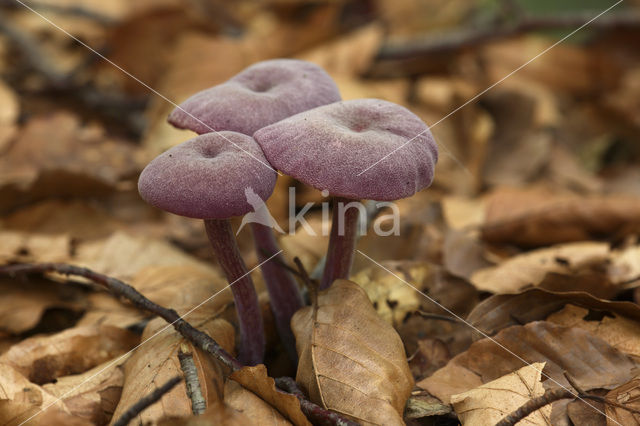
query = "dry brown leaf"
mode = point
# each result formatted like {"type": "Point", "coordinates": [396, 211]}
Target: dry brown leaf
{"type": "Point", "coordinates": [156, 361]}
{"type": "Point", "coordinates": [255, 409]}
{"type": "Point", "coordinates": [538, 217]}
{"type": "Point", "coordinates": [16, 246]}
{"type": "Point", "coordinates": [462, 212]}
{"type": "Point", "coordinates": [351, 361]}
{"type": "Point", "coordinates": [43, 359]}
{"type": "Point", "coordinates": [93, 395]}
{"type": "Point", "coordinates": [620, 332]}
{"type": "Point", "coordinates": [589, 360]}
{"type": "Point", "coordinates": [56, 155]}
{"type": "Point", "coordinates": [9, 112]}
{"type": "Point", "coordinates": [489, 403]}
{"type": "Point", "coordinates": [256, 380]}
{"type": "Point", "coordinates": [463, 253]}
{"type": "Point", "coordinates": [123, 256]}
{"type": "Point", "coordinates": [628, 395]}
{"type": "Point", "coordinates": [504, 310]}
{"type": "Point", "coordinates": [23, 302]}
{"type": "Point", "coordinates": [530, 269]}
{"type": "Point", "coordinates": [21, 399]}
{"type": "Point", "coordinates": [218, 414]}
{"type": "Point", "coordinates": [351, 54]}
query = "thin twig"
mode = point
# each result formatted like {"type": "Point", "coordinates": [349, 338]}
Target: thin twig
{"type": "Point", "coordinates": [283, 264]}
{"type": "Point", "coordinates": [315, 413]}
{"type": "Point", "coordinates": [146, 401]}
{"type": "Point", "coordinates": [121, 289]}
{"type": "Point", "coordinates": [194, 392]}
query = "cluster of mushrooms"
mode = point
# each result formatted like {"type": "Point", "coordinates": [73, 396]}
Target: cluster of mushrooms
{"type": "Point", "coordinates": [285, 115]}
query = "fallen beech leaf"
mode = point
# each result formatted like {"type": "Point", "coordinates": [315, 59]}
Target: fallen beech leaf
{"type": "Point", "coordinates": [589, 360]}
{"type": "Point", "coordinates": [92, 395]}
{"type": "Point", "coordinates": [22, 247]}
{"type": "Point", "coordinates": [56, 155]}
{"type": "Point", "coordinates": [504, 310]}
{"type": "Point", "coordinates": [627, 394]}
{"type": "Point", "coordinates": [463, 253]}
{"type": "Point", "coordinates": [351, 360]}
{"type": "Point", "coordinates": [255, 379]}
{"type": "Point", "coordinates": [537, 217]}
{"type": "Point", "coordinates": [530, 269]}
{"type": "Point", "coordinates": [425, 405]}
{"type": "Point", "coordinates": [489, 403]}
{"type": "Point", "coordinates": [350, 55]}
{"type": "Point", "coordinates": [156, 361]}
{"type": "Point", "coordinates": [43, 359]}
{"type": "Point", "coordinates": [122, 255]}
{"type": "Point", "coordinates": [255, 409]}
{"type": "Point", "coordinates": [23, 302]}
{"type": "Point", "coordinates": [620, 332]}
{"type": "Point", "coordinates": [21, 399]}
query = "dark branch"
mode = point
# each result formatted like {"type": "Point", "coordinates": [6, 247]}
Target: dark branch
{"type": "Point", "coordinates": [315, 413]}
{"type": "Point", "coordinates": [146, 401]}
{"type": "Point", "coordinates": [425, 48]}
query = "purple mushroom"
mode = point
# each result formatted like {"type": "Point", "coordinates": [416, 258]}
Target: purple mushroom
{"type": "Point", "coordinates": [262, 94]}
{"type": "Point", "coordinates": [206, 178]}
{"type": "Point", "coordinates": [359, 149]}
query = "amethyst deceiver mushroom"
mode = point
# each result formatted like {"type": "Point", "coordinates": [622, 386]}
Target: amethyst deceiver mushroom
{"type": "Point", "coordinates": [262, 94]}
{"type": "Point", "coordinates": [206, 178]}
{"type": "Point", "coordinates": [344, 148]}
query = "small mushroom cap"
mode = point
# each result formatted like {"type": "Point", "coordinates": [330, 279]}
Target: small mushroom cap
{"type": "Point", "coordinates": [207, 177]}
{"type": "Point", "coordinates": [328, 148]}
{"type": "Point", "coordinates": [261, 94]}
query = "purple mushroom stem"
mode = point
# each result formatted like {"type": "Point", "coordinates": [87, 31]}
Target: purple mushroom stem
{"type": "Point", "coordinates": [252, 341]}
{"type": "Point", "coordinates": [342, 242]}
{"type": "Point", "coordinates": [284, 293]}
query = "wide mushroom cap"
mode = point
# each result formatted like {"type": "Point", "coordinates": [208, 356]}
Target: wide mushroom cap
{"type": "Point", "coordinates": [262, 94]}
{"type": "Point", "coordinates": [364, 148]}
{"type": "Point", "coordinates": [208, 177]}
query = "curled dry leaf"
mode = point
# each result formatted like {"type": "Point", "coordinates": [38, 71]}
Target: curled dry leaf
{"type": "Point", "coordinates": [156, 361]}
{"type": "Point", "coordinates": [23, 302]}
{"type": "Point", "coordinates": [255, 409]}
{"type": "Point", "coordinates": [629, 395]}
{"type": "Point", "coordinates": [93, 395]}
{"type": "Point", "coordinates": [620, 332]}
{"type": "Point", "coordinates": [589, 360]}
{"type": "Point", "coordinates": [43, 359]}
{"type": "Point", "coordinates": [255, 379]}
{"type": "Point", "coordinates": [9, 113]}
{"type": "Point", "coordinates": [122, 255]}
{"type": "Point", "coordinates": [21, 399]}
{"type": "Point", "coordinates": [351, 360]}
{"type": "Point", "coordinates": [538, 217]}
{"type": "Point", "coordinates": [504, 310]}
{"type": "Point", "coordinates": [489, 403]}
{"type": "Point", "coordinates": [531, 269]}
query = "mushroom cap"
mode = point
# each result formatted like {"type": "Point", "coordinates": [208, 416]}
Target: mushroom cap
{"type": "Point", "coordinates": [207, 176]}
{"type": "Point", "coordinates": [262, 94]}
{"type": "Point", "coordinates": [329, 148]}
